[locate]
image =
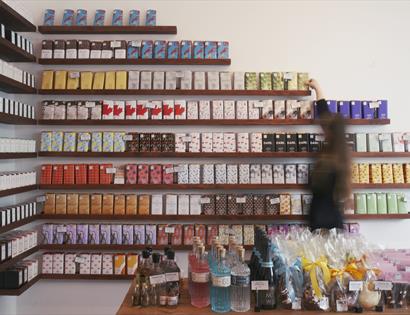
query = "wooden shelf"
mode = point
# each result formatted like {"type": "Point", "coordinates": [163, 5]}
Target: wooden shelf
{"type": "Point", "coordinates": [85, 277]}
{"type": "Point", "coordinates": [18, 190]}
{"type": "Point", "coordinates": [203, 122]}
{"type": "Point", "coordinates": [11, 262]}
{"type": "Point", "coordinates": [172, 186]}
{"type": "Point", "coordinates": [19, 223]}
{"type": "Point", "coordinates": [213, 154]}
{"type": "Point", "coordinates": [17, 155]}
{"type": "Point", "coordinates": [81, 247]}
{"type": "Point", "coordinates": [398, 216]}
{"type": "Point", "coordinates": [12, 86]}
{"type": "Point", "coordinates": [13, 20]}
{"type": "Point", "coordinates": [21, 290]}
{"type": "Point", "coordinates": [381, 186]}
{"type": "Point", "coordinates": [175, 62]}
{"type": "Point", "coordinates": [11, 52]}
{"type": "Point", "coordinates": [107, 29]}
{"type": "Point", "coordinates": [16, 120]}
{"type": "Point", "coordinates": [177, 92]}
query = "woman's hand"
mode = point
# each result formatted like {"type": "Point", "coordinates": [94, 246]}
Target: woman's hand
{"type": "Point", "coordinates": [313, 84]}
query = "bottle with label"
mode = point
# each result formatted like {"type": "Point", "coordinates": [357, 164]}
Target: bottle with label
{"type": "Point", "coordinates": [221, 282]}
{"type": "Point", "coordinates": [231, 258]}
{"type": "Point", "coordinates": [172, 276]}
{"type": "Point", "coordinates": [191, 261]}
{"type": "Point", "coordinates": [240, 284]}
{"type": "Point", "coordinates": [142, 280]}
{"type": "Point", "coordinates": [200, 280]}
{"type": "Point", "coordinates": [158, 292]}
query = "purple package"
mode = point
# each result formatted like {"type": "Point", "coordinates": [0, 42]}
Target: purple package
{"type": "Point", "coordinates": [139, 234]}
{"type": "Point", "coordinates": [356, 110]}
{"type": "Point", "coordinates": [354, 228]}
{"type": "Point", "coordinates": [105, 234]}
{"type": "Point", "coordinates": [150, 234]}
{"type": "Point", "coordinates": [283, 229]}
{"type": "Point", "coordinates": [117, 17]}
{"type": "Point", "coordinates": [147, 49]}
{"type": "Point", "coordinates": [186, 49]}
{"type": "Point", "coordinates": [160, 49]}
{"type": "Point", "coordinates": [346, 227]}
{"type": "Point", "coordinates": [127, 234]}
{"type": "Point", "coordinates": [382, 110]}
{"type": "Point", "coordinates": [344, 109]}
{"type": "Point", "coordinates": [59, 231]}
{"type": "Point", "coordinates": [94, 234]}
{"type": "Point", "coordinates": [272, 229]}
{"type": "Point", "coordinates": [173, 50]}
{"type": "Point", "coordinates": [223, 50]}
{"type": "Point", "coordinates": [82, 233]}
{"type": "Point", "coordinates": [210, 50]}
{"type": "Point", "coordinates": [47, 231]}
{"type": "Point", "coordinates": [332, 105]}
{"type": "Point", "coordinates": [99, 18]}
{"type": "Point", "coordinates": [68, 17]}
{"type": "Point", "coordinates": [134, 18]}
{"type": "Point", "coordinates": [81, 18]}
{"type": "Point", "coordinates": [198, 50]}
{"type": "Point", "coordinates": [116, 234]}
{"type": "Point", "coordinates": [368, 111]}
{"type": "Point", "coordinates": [71, 234]}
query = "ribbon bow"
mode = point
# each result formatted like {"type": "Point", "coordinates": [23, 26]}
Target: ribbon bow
{"type": "Point", "coordinates": [350, 268]}
{"type": "Point", "coordinates": [311, 267]}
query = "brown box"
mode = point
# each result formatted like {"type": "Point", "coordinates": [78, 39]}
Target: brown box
{"type": "Point", "coordinates": [83, 204]}
{"type": "Point", "coordinates": [84, 44]}
{"type": "Point", "coordinates": [119, 205]}
{"type": "Point", "coordinates": [50, 204]}
{"type": "Point", "coordinates": [96, 204]}
{"type": "Point", "coordinates": [108, 204]}
{"type": "Point", "coordinates": [47, 44]}
{"type": "Point", "coordinates": [131, 204]}
{"type": "Point", "coordinates": [144, 204]}
{"type": "Point", "coordinates": [72, 203]}
{"type": "Point", "coordinates": [61, 203]}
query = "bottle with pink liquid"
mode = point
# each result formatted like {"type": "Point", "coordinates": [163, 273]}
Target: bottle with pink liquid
{"type": "Point", "coordinates": [200, 279]}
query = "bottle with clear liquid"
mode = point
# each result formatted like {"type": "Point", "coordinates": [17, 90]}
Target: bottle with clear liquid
{"type": "Point", "coordinates": [142, 296]}
{"type": "Point", "coordinates": [266, 299]}
{"type": "Point", "coordinates": [240, 285]}
{"type": "Point", "coordinates": [158, 292]}
{"type": "Point", "coordinates": [172, 276]}
{"type": "Point", "coordinates": [200, 280]}
{"type": "Point", "coordinates": [231, 255]}
{"type": "Point", "coordinates": [221, 282]}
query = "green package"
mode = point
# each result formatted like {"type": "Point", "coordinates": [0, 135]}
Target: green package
{"type": "Point", "coordinates": [381, 203]}
{"type": "Point", "coordinates": [392, 203]}
{"type": "Point", "coordinates": [360, 203]}
{"type": "Point", "coordinates": [278, 83]}
{"type": "Point", "coordinates": [251, 81]}
{"type": "Point", "coordinates": [303, 78]}
{"type": "Point", "coordinates": [265, 80]}
{"type": "Point", "coordinates": [371, 202]}
{"type": "Point", "coordinates": [402, 203]}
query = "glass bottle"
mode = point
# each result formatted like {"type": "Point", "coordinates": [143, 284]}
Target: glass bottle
{"type": "Point", "coordinates": [200, 280]}
{"type": "Point", "coordinates": [142, 280]}
{"type": "Point", "coordinates": [265, 299]}
{"type": "Point", "coordinates": [172, 276]}
{"type": "Point", "coordinates": [164, 257]}
{"type": "Point", "coordinates": [221, 282]}
{"type": "Point", "coordinates": [158, 293]}
{"type": "Point", "coordinates": [240, 284]}
{"type": "Point", "coordinates": [230, 255]}
{"type": "Point", "coordinates": [191, 260]}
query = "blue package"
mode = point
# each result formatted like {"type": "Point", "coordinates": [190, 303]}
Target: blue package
{"type": "Point", "coordinates": [344, 109]}
{"type": "Point", "coordinates": [356, 110]}
{"type": "Point", "coordinates": [117, 17]}
{"type": "Point", "coordinates": [81, 18]}
{"type": "Point", "coordinates": [223, 50]}
{"type": "Point", "coordinates": [210, 50]}
{"type": "Point", "coordinates": [382, 110]}
{"type": "Point", "coordinates": [160, 49]}
{"type": "Point", "coordinates": [186, 49]}
{"type": "Point", "coordinates": [99, 18]}
{"type": "Point", "coordinates": [332, 105]}
{"type": "Point", "coordinates": [133, 49]}
{"type": "Point", "coordinates": [368, 110]}
{"type": "Point", "coordinates": [151, 18]}
{"type": "Point", "coordinates": [49, 16]}
{"type": "Point", "coordinates": [198, 50]}
{"type": "Point", "coordinates": [147, 49]}
{"type": "Point", "coordinates": [68, 17]}
{"type": "Point", "coordinates": [173, 50]}
{"type": "Point", "coordinates": [134, 18]}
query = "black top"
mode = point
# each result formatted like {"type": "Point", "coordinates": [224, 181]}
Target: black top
{"type": "Point", "coordinates": [325, 212]}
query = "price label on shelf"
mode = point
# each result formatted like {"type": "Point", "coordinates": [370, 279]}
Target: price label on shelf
{"type": "Point", "coordinates": [110, 170]}
{"type": "Point", "coordinates": [89, 104]}
{"type": "Point", "coordinates": [257, 104]}
{"type": "Point", "coordinates": [169, 229]}
{"type": "Point", "coordinates": [157, 279]}
{"type": "Point", "coordinates": [383, 285]}
{"type": "Point", "coordinates": [115, 44]}
{"type": "Point", "coordinates": [320, 138]}
{"type": "Point", "coordinates": [127, 137]}
{"type": "Point", "coordinates": [355, 285]}
{"type": "Point", "coordinates": [274, 201]}
{"type": "Point", "coordinates": [74, 75]}
{"type": "Point", "coordinates": [169, 170]}
{"type": "Point", "coordinates": [407, 268]}
{"type": "Point", "coordinates": [186, 139]}
{"type": "Point", "coordinates": [259, 285]}
{"type": "Point", "coordinates": [85, 137]}
{"type": "Point", "coordinates": [180, 74]}
{"type": "Point", "coordinates": [61, 229]}
{"type": "Point", "coordinates": [79, 260]}
{"type": "Point", "coordinates": [150, 105]}
{"type": "Point", "coordinates": [136, 43]}
{"type": "Point", "coordinates": [288, 76]}
{"type": "Point", "coordinates": [374, 104]}
{"type": "Point", "coordinates": [179, 169]}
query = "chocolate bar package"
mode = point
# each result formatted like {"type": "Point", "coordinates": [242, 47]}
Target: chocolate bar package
{"type": "Point", "coordinates": [220, 204]}
{"type": "Point", "coordinates": [296, 204]}
{"type": "Point", "coordinates": [255, 174]}
{"type": "Point", "coordinates": [208, 174]}
{"type": "Point", "coordinates": [290, 81]}
{"type": "Point", "coordinates": [195, 204]}
{"type": "Point", "coordinates": [105, 234]}
{"type": "Point", "coordinates": [107, 204]}
{"type": "Point", "coordinates": [386, 144]}
{"type": "Point", "coordinates": [150, 234]}
{"type": "Point", "coordinates": [82, 234]}
{"type": "Point", "coordinates": [291, 142]}
{"type": "Point", "coordinates": [155, 142]}
{"type": "Point", "coordinates": [272, 204]}
{"type": "Point", "coordinates": [210, 50]}
{"type": "Point", "coordinates": [254, 109]}
{"type": "Point", "coordinates": [303, 78]}
{"type": "Point", "coordinates": [280, 142]}
{"type": "Point", "coordinates": [186, 49]}
{"type": "Point", "coordinates": [251, 81]}
{"type": "Point", "coordinates": [239, 80]}
{"type": "Point", "coordinates": [198, 50]}
{"type": "Point", "coordinates": [279, 174]}
{"type": "Point", "coordinates": [194, 174]}
{"type": "Point", "coordinates": [162, 235]}
{"type": "Point", "coordinates": [208, 204]}
{"type": "Point", "coordinates": [303, 142]}
{"type": "Point", "coordinates": [303, 173]}
{"type": "Point", "coordinates": [119, 205]}
{"type": "Point", "coordinates": [244, 173]}
{"type": "Point", "coordinates": [94, 234]}
{"type": "Point", "coordinates": [220, 173]}
{"type": "Point", "coordinates": [267, 174]}
{"type": "Point", "coordinates": [243, 142]}
{"type": "Point", "coordinates": [232, 174]}
{"type": "Point", "coordinates": [314, 143]}
{"type": "Point", "coordinates": [292, 109]}
{"type": "Point", "coordinates": [285, 206]}
{"type": "Point", "coordinates": [117, 17]}
{"type": "Point", "coordinates": [290, 174]}
{"type": "Point", "coordinates": [267, 110]}
{"type": "Point", "coordinates": [259, 204]}
{"type": "Point", "coordinates": [212, 232]}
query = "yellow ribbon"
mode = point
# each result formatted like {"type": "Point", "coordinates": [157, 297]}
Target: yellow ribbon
{"type": "Point", "coordinates": [311, 267]}
{"type": "Point", "coordinates": [350, 268]}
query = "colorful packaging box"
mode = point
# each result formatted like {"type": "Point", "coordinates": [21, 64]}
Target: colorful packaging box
{"type": "Point", "coordinates": [139, 234]}
{"type": "Point", "coordinates": [147, 49]}
{"type": "Point", "coordinates": [210, 50]}
{"type": "Point", "coordinates": [198, 50]}
{"type": "Point", "coordinates": [160, 49]}
{"type": "Point", "coordinates": [68, 18]}
{"type": "Point", "coordinates": [99, 18]}
{"type": "Point", "coordinates": [173, 50]}
{"type": "Point", "coordinates": [81, 17]}
{"type": "Point", "coordinates": [117, 17]}
{"type": "Point", "coordinates": [186, 49]}
{"type": "Point", "coordinates": [150, 234]}
{"type": "Point", "coordinates": [49, 15]}
{"type": "Point", "coordinates": [151, 18]}
{"type": "Point", "coordinates": [134, 18]}
{"type": "Point", "coordinates": [223, 50]}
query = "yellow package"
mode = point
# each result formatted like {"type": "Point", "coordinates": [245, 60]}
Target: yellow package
{"type": "Point", "coordinates": [99, 78]}
{"type": "Point", "coordinates": [398, 174]}
{"type": "Point", "coordinates": [110, 80]}
{"type": "Point", "coordinates": [284, 204]}
{"type": "Point", "coordinates": [376, 173]}
{"type": "Point", "coordinates": [86, 80]}
{"type": "Point", "coordinates": [387, 172]}
{"type": "Point", "coordinates": [121, 80]}
{"type": "Point", "coordinates": [73, 80]}
{"type": "Point", "coordinates": [47, 80]}
{"type": "Point", "coordinates": [407, 173]}
{"type": "Point", "coordinates": [119, 204]}
{"type": "Point", "coordinates": [60, 80]}
{"type": "Point", "coordinates": [119, 264]}
{"type": "Point", "coordinates": [131, 204]}
{"type": "Point", "coordinates": [355, 173]}
{"type": "Point", "coordinates": [132, 263]}
{"type": "Point", "coordinates": [83, 204]}
{"type": "Point", "coordinates": [364, 173]}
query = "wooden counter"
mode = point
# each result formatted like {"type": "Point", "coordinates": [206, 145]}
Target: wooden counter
{"type": "Point", "coordinates": [185, 308]}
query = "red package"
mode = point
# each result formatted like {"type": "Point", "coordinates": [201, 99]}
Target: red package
{"type": "Point", "coordinates": [45, 176]}
{"type": "Point", "coordinates": [93, 174]}
{"type": "Point", "coordinates": [81, 174]}
{"type": "Point", "coordinates": [162, 236]}
{"type": "Point", "coordinates": [58, 173]}
{"type": "Point", "coordinates": [130, 110]}
{"type": "Point", "coordinates": [200, 230]}
{"type": "Point", "coordinates": [168, 110]}
{"type": "Point", "coordinates": [143, 174]}
{"type": "Point", "coordinates": [211, 233]}
{"type": "Point", "coordinates": [69, 174]}
{"type": "Point", "coordinates": [131, 174]}
{"type": "Point", "coordinates": [176, 237]}
{"type": "Point", "coordinates": [167, 175]}
{"type": "Point", "coordinates": [155, 174]}
{"type": "Point", "coordinates": [156, 113]}
{"type": "Point", "coordinates": [188, 234]}
{"type": "Point", "coordinates": [106, 174]}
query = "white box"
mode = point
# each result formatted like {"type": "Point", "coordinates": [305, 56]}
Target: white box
{"type": "Point", "coordinates": [195, 204]}
{"type": "Point", "coordinates": [208, 174]}
{"type": "Point", "coordinates": [192, 110]}
{"type": "Point", "coordinates": [183, 205]}
{"type": "Point", "coordinates": [226, 81]}
{"type": "Point", "coordinates": [146, 80]}
{"type": "Point", "coordinates": [217, 109]}
{"type": "Point", "coordinates": [199, 80]}
{"type": "Point", "coordinates": [159, 80]}
{"type": "Point", "coordinates": [171, 204]}
{"type": "Point", "coordinates": [239, 80]}
{"type": "Point", "coordinates": [229, 109]}
{"type": "Point", "coordinates": [217, 142]}
{"type": "Point", "coordinates": [242, 110]}
{"type": "Point", "coordinates": [157, 204]}
{"type": "Point", "coordinates": [171, 80]}
{"type": "Point", "coordinates": [220, 173]}
{"type": "Point", "coordinates": [213, 80]}
{"type": "Point", "coordinates": [244, 173]}
{"type": "Point", "coordinates": [204, 110]}
{"type": "Point", "coordinates": [186, 80]}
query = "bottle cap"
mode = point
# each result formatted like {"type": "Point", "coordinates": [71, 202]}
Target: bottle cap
{"type": "Point", "coordinates": [166, 249]}
{"type": "Point", "coordinates": [222, 252]}
{"type": "Point", "coordinates": [170, 254]}
{"type": "Point", "coordinates": [156, 257]}
{"type": "Point", "coordinates": [145, 254]}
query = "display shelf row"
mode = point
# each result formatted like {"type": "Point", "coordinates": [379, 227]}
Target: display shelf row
{"type": "Point", "coordinates": [18, 190]}
{"type": "Point", "coordinates": [16, 120]}
{"type": "Point", "coordinates": [17, 155]}
{"type": "Point", "coordinates": [19, 223]}
{"type": "Point", "coordinates": [13, 20]}
{"type": "Point", "coordinates": [9, 85]}
{"type": "Point", "coordinates": [21, 290]}
{"type": "Point", "coordinates": [80, 247]}
{"type": "Point", "coordinates": [173, 62]}
{"type": "Point", "coordinates": [107, 29]}
{"type": "Point", "coordinates": [13, 261]}
{"type": "Point", "coordinates": [11, 52]}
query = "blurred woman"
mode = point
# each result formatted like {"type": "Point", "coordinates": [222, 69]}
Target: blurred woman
{"type": "Point", "coordinates": [331, 176]}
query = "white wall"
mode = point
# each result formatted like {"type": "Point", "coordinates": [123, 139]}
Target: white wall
{"type": "Point", "coordinates": [356, 49]}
